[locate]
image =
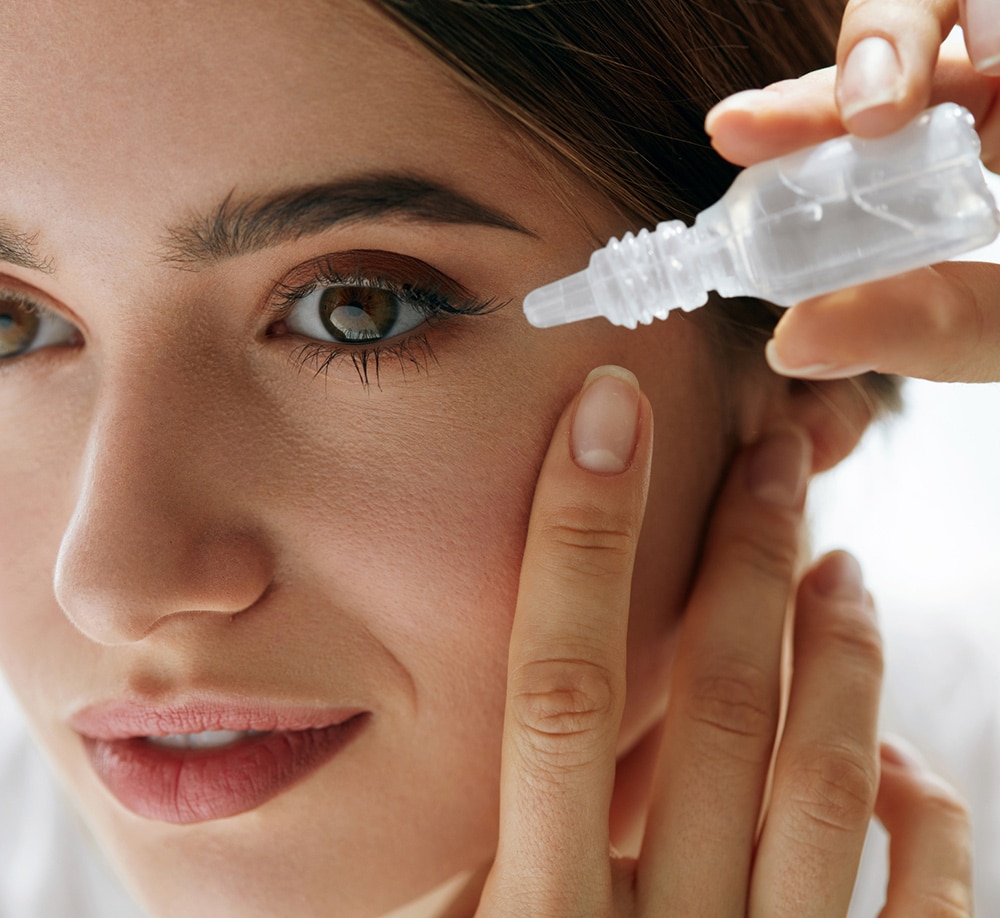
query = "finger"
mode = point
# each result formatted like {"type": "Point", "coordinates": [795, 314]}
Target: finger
{"type": "Point", "coordinates": [885, 60]}
{"type": "Point", "coordinates": [761, 124]}
{"type": "Point", "coordinates": [566, 671]}
{"type": "Point", "coordinates": [956, 81]}
{"type": "Point", "coordinates": [725, 689]}
{"type": "Point", "coordinates": [982, 34]}
{"type": "Point", "coordinates": [826, 770]}
{"type": "Point", "coordinates": [939, 323]}
{"type": "Point", "coordinates": [930, 862]}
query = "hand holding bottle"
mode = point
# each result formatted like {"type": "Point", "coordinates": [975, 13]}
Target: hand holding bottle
{"type": "Point", "coordinates": [844, 212]}
{"type": "Point", "coordinates": [936, 323]}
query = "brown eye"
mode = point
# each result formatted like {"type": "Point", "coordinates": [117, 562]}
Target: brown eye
{"type": "Point", "coordinates": [19, 325]}
{"type": "Point", "coordinates": [26, 326]}
{"type": "Point", "coordinates": [353, 314]}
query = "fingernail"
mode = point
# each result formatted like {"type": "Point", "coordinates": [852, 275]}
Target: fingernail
{"type": "Point", "coordinates": [817, 371]}
{"type": "Point", "coordinates": [749, 100]}
{"type": "Point", "coordinates": [606, 423]}
{"type": "Point", "coordinates": [898, 751]}
{"type": "Point", "coordinates": [871, 78]}
{"type": "Point", "coordinates": [839, 577]}
{"type": "Point", "coordinates": [989, 66]}
{"type": "Point", "coordinates": [982, 34]}
{"type": "Point", "coordinates": [777, 363]}
{"type": "Point", "coordinates": [778, 469]}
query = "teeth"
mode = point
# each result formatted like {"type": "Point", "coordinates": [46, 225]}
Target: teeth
{"type": "Point", "coordinates": [209, 739]}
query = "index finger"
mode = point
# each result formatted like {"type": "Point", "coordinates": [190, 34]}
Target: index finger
{"type": "Point", "coordinates": [761, 124]}
{"type": "Point", "coordinates": [566, 670]}
{"type": "Point", "coordinates": [885, 60]}
{"type": "Point", "coordinates": [887, 52]}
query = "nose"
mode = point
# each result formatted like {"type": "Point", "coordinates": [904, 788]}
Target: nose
{"type": "Point", "coordinates": [162, 525]}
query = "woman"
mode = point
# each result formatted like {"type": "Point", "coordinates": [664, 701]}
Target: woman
{"type": "Point", "coordinates": [282, 634]}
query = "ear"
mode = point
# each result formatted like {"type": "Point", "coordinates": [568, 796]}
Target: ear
{"type": "Point", "coordinates": [835, 414]}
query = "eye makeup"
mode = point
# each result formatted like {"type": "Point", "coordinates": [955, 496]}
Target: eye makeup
{"type": "Point", "coordinates": [364, 306]}
{"type": "Point", "coordinates": [370, 308]}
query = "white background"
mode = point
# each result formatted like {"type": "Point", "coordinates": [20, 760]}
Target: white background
{"type": "Point", "coordinates": [919, 503]}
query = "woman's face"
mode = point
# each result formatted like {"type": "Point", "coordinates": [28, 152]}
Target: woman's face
{"type": "Point", "coordinates": [216, 515]}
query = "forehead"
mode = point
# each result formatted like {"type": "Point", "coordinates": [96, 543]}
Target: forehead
{"type": "Point", "coordinates": [173, 102]}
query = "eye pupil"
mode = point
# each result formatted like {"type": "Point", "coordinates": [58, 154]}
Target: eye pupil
{"type": "Point", "coordinates": [358, 313]}
{"type": "Point", "coordinates": [18, 327]}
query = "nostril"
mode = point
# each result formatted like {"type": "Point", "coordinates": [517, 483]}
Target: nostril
{"type": "Point", "coordinates": [118, 591]}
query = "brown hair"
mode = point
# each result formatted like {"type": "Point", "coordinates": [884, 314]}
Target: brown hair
{"type": "Point", "coordinates": [619, 90]}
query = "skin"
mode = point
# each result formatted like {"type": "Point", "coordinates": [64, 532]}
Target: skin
{"type": "Point", "coordinates": [179, 467]}
{"type": "Point", "coordinates": [188, 510]}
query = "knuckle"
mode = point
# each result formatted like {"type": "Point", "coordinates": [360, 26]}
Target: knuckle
{"type": "Point", "coordinates": [948, 899]}
{"type": "Point", "coordinates": [858, 638]}
{"type": "Point", "coordinates": [942, 802]}
{"type": "Point", "coordinates": [881, 15]}
{"type": "Point", "coordinates": [833, 790]}
{"type": "Point", "coordinates": [956, 317]}
{"type": "Point", "coordinates": [736, 701]}
{"type": "Point", "coordinates": [770, 559]}
{"type": "Point", "coordinates": [565, 712]}
{"type": "Point", "coordinates": [590, 541]}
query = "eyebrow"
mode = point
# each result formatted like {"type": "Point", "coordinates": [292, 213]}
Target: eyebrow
{"type": "Point", "coordinates": [19, 249]}
{"type": "Point", "coordinates": [243, 226]}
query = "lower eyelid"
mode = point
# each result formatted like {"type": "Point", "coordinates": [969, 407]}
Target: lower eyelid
{"type": "Point", "coordinates": [410, 355]}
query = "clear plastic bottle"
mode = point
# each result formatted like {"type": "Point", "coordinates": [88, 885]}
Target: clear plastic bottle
{"type": "Point", "coordinates": [847, 211]}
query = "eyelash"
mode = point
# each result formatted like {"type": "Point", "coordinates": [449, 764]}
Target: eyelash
{"type": "Point", "coordinates": [408, 349]}
{"type": "Point", "coordinates": [435, 297]}
{"type": "Point", "coordinates": [45, 316]}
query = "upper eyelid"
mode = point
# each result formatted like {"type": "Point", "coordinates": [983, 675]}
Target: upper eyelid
{"type": "Point", "coordinates": [28, 293]}
{"type": "Point", "coordinates": [376, 267]}
{"type": "Point", "coordinates": [372, 267]}
{"type": "Point", "coordinates": [286, 294]}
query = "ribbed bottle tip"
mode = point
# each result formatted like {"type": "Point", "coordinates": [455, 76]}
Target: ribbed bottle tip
{"type": "Point", "coordinates": [566, 300]}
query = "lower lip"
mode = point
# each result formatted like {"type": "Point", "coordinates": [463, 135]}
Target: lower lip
{"type": "Point", "coordinates": [185, 786]}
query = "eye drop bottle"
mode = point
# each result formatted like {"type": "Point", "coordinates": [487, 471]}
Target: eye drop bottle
{"type": "Point", "coordinates": [845, 212]}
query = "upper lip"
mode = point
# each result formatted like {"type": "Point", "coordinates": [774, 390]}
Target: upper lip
{"type": "Point", "coordinates": [125, 719]}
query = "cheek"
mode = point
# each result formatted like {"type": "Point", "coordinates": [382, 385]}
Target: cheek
{"type": "Point", "coordinates": [682, 375]}
{"type": "Point", "coordinates": [39, 449]}
{"type": "Point", "coordinates": [430, 483]}
{"type": "Point", "coordinates": [428, 547]}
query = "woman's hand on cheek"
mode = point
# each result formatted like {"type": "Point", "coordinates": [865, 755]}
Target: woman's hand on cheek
{"type": "Point", "coordinates": [935, 323]}
{"type": "Point", "coordinates": [706, 850]}
{"type": "Point", "coordinates": [566, 670]}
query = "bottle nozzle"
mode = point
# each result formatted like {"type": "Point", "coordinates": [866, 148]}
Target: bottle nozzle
{"type": "Point", "coordinates": [625, 282]}
{"type": "Point", "coordinates": [566, 300]}
{"type": "Point", "coordinates": [849, 211]}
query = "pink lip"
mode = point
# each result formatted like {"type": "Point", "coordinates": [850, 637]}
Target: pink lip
{"type": "Point", "coordinates": [193, 785]}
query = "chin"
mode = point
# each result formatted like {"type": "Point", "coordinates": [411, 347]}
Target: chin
{"type": "Point", "coordinates": [300, 854]}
